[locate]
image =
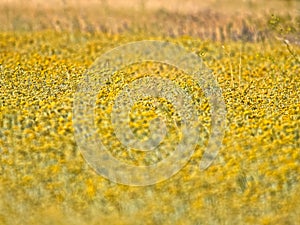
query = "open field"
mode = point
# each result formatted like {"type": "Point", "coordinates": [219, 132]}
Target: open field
{"type": "Point", "coordinates": [247, 20]}
{"type": "Point", "coordinates": [251, 47]}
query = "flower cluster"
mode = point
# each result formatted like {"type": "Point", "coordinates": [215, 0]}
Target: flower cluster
{"type": "Point", "coordinates": [43, 176]}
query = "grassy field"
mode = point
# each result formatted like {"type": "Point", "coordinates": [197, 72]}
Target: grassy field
{"type": "Point", "coordinates": [251, 47]}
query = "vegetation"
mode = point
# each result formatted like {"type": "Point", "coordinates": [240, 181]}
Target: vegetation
{"type": "Point", "coordinates": [254, 180]}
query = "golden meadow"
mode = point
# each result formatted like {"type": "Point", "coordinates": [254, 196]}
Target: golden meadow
{"type": "Point", "coordinates": [254, 180]}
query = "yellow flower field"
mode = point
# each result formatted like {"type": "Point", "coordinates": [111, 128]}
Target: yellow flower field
{"type": "Point", "coordinates": [44, 179]}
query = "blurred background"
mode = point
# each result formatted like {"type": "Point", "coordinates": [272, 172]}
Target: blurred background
{"type": "Point", "coordinates": [220, 20]}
